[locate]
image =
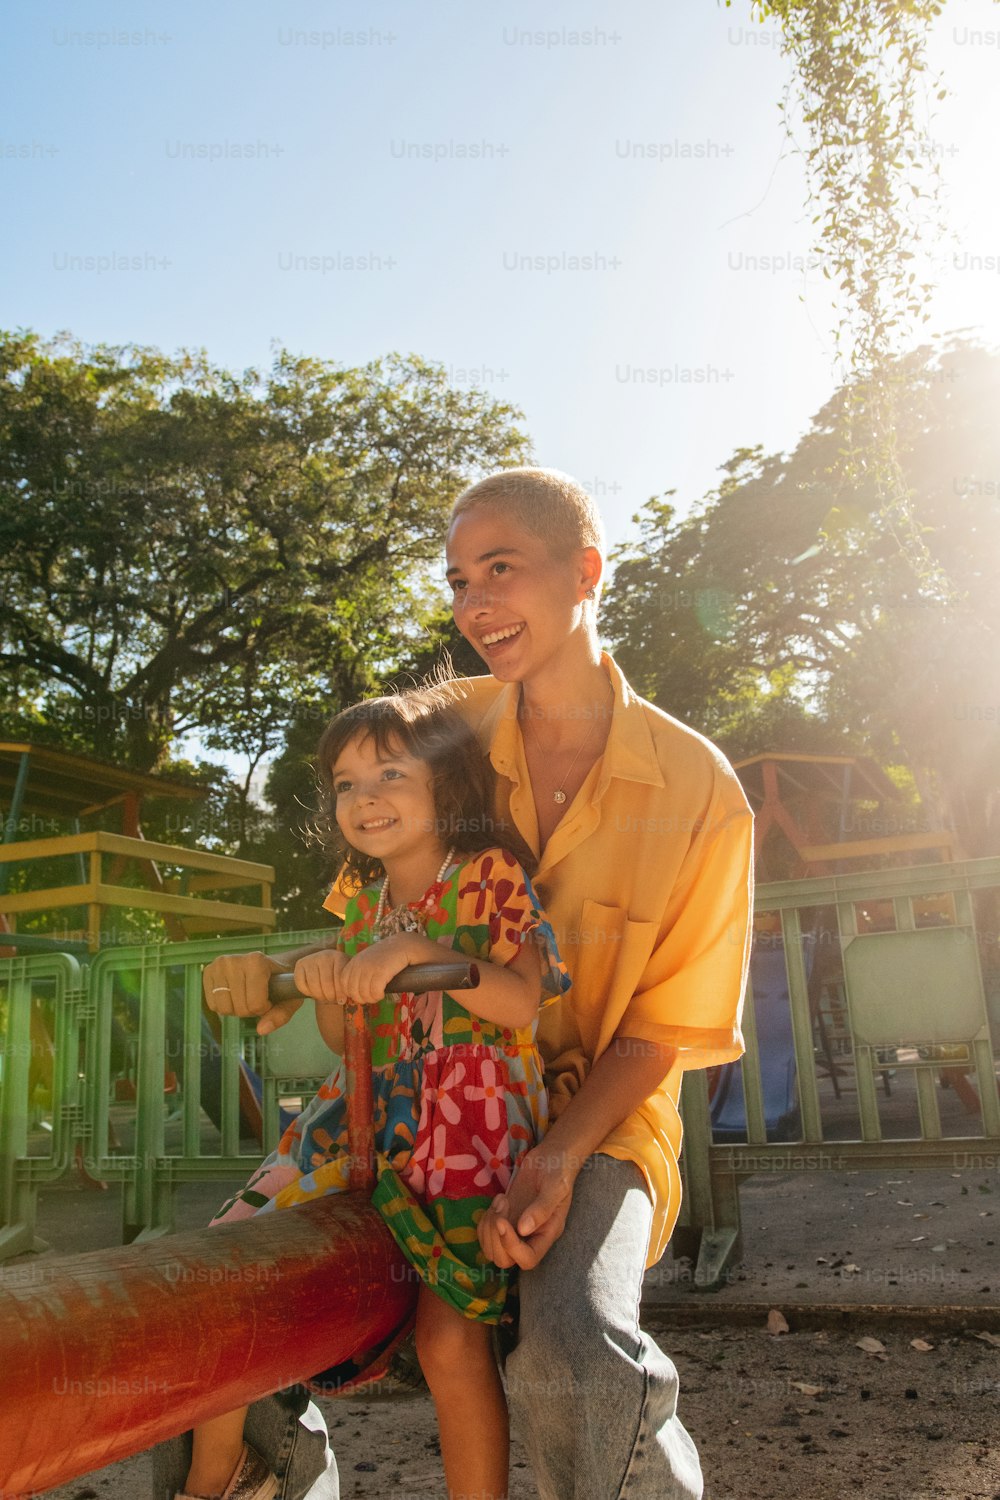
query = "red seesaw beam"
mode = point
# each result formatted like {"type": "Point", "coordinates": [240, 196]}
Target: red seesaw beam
{"type": "Point", "coordinates": [104, 1354]}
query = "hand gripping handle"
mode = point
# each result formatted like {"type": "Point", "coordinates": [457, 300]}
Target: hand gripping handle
{"type": "Point", "coordinates": [415, 979]}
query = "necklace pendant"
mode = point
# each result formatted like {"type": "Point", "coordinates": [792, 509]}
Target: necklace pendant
{"type": "Point", "coordinates": [559, 796]}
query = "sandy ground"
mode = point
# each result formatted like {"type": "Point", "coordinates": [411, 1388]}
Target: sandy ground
{"type": "Point", "coordinates": [804, 1415]}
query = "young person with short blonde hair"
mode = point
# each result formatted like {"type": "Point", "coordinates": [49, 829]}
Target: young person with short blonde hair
{"type": "Point", "coordinates": [642, 839]}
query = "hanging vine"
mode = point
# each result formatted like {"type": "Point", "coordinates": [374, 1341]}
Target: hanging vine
{"type": "Point", "coordinates": [861, 77]}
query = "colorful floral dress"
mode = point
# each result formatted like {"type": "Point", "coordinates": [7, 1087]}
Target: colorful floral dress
{"type": "Point", "coordinates": [457, 1099]}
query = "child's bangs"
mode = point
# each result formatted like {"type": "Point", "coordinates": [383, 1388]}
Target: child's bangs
{"type": "Point", "coordinates": [378, 719]}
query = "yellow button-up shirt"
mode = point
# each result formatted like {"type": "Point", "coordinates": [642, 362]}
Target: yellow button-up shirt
{"type": "Point", "coordinates": [648, 883]}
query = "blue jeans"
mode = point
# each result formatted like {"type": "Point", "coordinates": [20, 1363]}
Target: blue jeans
{"type": "Point", "coordinates": [592, 1396]}
{"type": "Point", "coordinates": [287, 1429]}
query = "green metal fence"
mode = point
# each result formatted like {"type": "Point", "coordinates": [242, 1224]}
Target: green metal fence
{"type": "Point", "coordinates": [175, 1047]}
{"type": "Point", "coordinates": [109, 1065]}
{"type": "Point", "coordinates": [915, 957]}
{"type": "Point", "coordinates": [136, 1071]}
{"type": "Point", "coordinates": [41, 1004]}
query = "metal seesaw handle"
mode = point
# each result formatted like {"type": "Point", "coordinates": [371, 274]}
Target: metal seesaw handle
{"type": "Point", "coordinates": [415, 979]}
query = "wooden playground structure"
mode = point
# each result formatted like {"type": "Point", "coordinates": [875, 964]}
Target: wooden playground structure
{"type": "Point", "coordinates": [789, 794]}
{"type": "Point", "coordinates": [42, 787]}
{"type": "Point", "coordinates": [796, 799]}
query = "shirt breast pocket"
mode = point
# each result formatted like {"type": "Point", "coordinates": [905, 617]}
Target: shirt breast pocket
{"type": "Point", "coordinates": [611, 953]}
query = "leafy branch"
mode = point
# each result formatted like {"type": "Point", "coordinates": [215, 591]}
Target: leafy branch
{"type": "Point", "coordinates": [873, 182]}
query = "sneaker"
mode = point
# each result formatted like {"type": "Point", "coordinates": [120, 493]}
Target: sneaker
{"type": "Point", "coordinates": [252, 1480]}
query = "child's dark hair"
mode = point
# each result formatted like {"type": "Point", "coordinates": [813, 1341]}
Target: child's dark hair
{"type": "Point", "coordinates": [423, 723]}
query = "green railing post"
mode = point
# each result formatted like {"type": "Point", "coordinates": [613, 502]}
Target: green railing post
{"type": "Point", "coordinates": [864, 1056]}
{"type": "Point", "coordinates": [21, 1171]}
{"type": "Point", "coordinates": [229, 1045]}
{"type": "Point", "coordinates": [753, 1092]}
{"type": "Point", "coordinates": [802, 1027]}
{"type": "Point", "coordinates": [190, 1062]}
{"type": "Point", "coordinates": [713, 1191]}
{"type": "Point", "coordinates": [17, 1198]}
{"type": "Point", "coordinates": [144, 1213]}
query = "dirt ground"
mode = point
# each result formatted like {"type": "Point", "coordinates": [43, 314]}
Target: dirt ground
{"type": "Point", "coordinates": [802, 1415]}
{"type": "Point", "coordinates": [810, 1416]}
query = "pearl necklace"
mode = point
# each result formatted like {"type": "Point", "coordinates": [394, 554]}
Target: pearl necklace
{"type": "Point", "coordinates": [559, 794]}
{"type": "Point", "coordinates": [401, 918]}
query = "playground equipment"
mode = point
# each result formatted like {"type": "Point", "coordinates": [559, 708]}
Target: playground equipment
{"type": "Point", "coordinates": [47, 787]}
{"type": "Point", "coordinates": [148, 1340]}
{"type": "Point", "coordinates": [102, 872]}
{"type": "Point", "coordinates": [793, 797]}
{"type": "Point", "coordinates": [795, 800]}
{"type": "Point", "coordinates": [917, 988]}
{"type": "Point", "coordinates": [110, 1352]}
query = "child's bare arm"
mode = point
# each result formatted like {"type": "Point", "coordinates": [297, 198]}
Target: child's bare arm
{"type": "Point", "coordinates": [508, 996]}
{"type": "Point", "coordinates": [318, 975]}
{"type": "Point", "coordinates": [330, 1020]}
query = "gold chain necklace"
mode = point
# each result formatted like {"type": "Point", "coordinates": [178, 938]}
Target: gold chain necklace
{"type": "Point", "coordinates": [559, 795]}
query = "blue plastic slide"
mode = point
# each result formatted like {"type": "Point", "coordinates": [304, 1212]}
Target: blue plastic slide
{"type": "Point", "coordinates": [777, 1052]}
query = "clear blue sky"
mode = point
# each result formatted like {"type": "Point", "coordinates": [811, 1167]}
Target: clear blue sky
{"type": "Point", "coordinates": [448, 142]}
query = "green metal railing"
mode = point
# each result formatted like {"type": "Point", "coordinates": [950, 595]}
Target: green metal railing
{"type": "Point", "coordinates": [61, 1022]}
{"type": "Point", "coordinates": [914, 987]}
{"type": "Point", "coordinates": [174, 1041]}
{"type": "Point", "coordinates": [41, 1000]}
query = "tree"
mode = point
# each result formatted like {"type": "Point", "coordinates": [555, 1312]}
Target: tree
{"type": "Point", "coordinates": [860, 69]}
{"type": "Point", "coordinates": [183, 548]}
{"type": "Point", "coordinates": [740, 622]}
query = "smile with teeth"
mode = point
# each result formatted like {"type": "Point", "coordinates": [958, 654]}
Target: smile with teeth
{"type": "Point", "coordinates": [507, 633]}
{"type": "Point", "coordinates": [377, 824]}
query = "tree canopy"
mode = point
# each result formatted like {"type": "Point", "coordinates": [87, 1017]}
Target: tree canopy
{"type": "Point", "coordinates": [182, 548]}
{"type": "Point", "coordinates": [739, 621]}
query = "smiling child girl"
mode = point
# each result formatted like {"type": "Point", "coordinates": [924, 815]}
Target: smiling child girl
{"type": "Point", "coordinates": [458, 1089]}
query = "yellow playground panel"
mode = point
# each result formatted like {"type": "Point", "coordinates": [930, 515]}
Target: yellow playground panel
{"type": "Point", "coordinates": [43, 788]}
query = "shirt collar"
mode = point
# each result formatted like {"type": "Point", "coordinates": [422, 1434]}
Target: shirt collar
{"type": "Point", "coordinates": [629, 753]}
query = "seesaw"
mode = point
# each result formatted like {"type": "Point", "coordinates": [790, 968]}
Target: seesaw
{"type": "Point", "coordinates": [104, 1354]}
